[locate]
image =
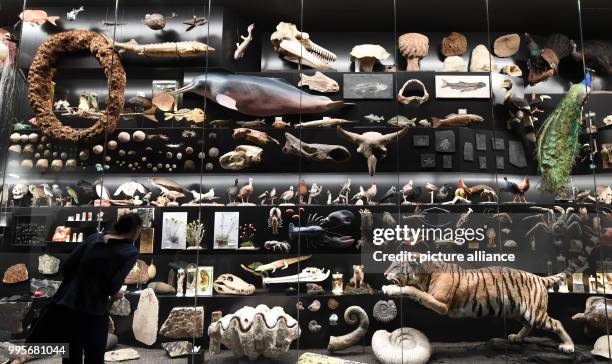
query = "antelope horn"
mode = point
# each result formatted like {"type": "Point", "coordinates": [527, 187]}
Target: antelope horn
{"type": "Point", "coordinates": [392, 137]}
{"type": "Point", "coordinates": [352, 137]}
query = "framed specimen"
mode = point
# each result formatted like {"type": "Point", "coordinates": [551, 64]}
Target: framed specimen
{"type": "Point", "coordinates": [368, 86]}
{"type": "Point", "coordinates": [204, 281]}
{"type": "Point", "coordinates": [226, 230]}
{"type": "Point", "coordinates": [462, 87]}
{"type": "Point", "coordinates": [174, 230]}
{"type": "Point", "coordinates": [146, 240]}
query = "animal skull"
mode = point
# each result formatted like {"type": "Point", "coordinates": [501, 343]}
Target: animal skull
{"type": "Point", "coordinates": [19, 191]}
{"type": "Point", "coordinates": [241, 157]}
{"type": "Point", "coordinates": [231, 284]}
{"type": "Point", "coordinates": [314, 151]}
{"type": "Point", "coordinates": [372, 145]}
{"type": "Point", "coordinates": [295, 46]}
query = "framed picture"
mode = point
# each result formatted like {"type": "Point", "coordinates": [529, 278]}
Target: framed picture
{"type": "Point", "coordinates": [146, 240]}
{"type": "Point", "coordinates": [204, 281]}
{"type": "Point", "coordinates": [462, 87]}
{"type": "Point", "coordinates": [226, 230]}
{"type": "Point", "coordinates": [174, 230]}
{"type": "Point", "coordinates": [367, 86]}
{"type": "Point", "coordinates": [159, 86]}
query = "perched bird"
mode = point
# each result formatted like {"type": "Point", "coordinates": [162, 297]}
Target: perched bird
{"type": "Point", "coordinates": [72, 193]}
{"type": "Point", "coordinates": [302, 191]}
{"type": "Point", "coordinates": [272, 195]}
{"type": "Point", "coordinates": [264, 197]}
{"type": "Point", "coordinates": [359, 195]}
{"type": "Point", "coordinates": [390, 194]}
{"type": "Point", "coordinates": [287, 195]}
{"type": "Point", "coordinates": [58, 194]}
{"type": "Point", "coordinates": [130, 188]}
{"type": "Point", "coordinates": [203, 197]}
{"type": "Point", "coordinates": [38, 193]}
{"type": "Point", "coordinates": [86, 191]}
{"type": "Point", "coordinates": [166, 184]}
{"type": "Point", "coordinates": [329, 197]}
{"type": "Point", "coordinates": [48, 193]}
{"type": "Point", "coordinates": [370, 193]}
{"type": "Point", "coordinates": [232, 191]}
{"type": "Point", "coordinates": [314, 193]}
{"type": "Point", "coordinates": [410, 193]}
{"type": "Point", "coordinates": [246, 191]}
{"type": "Point", "coordinates": [102, 190]}
{"type": "Point", "coordinates": [517, 189]}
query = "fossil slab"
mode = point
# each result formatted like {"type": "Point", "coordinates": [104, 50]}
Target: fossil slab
{"type": "Point", "coordinates": [481, 142]}
{"type": "Point", "coordinates": [499, 162]}
{"type": "Point", "coordinates": [121, 355]}
{"type": "Point", "coordinates": [48, 264]}
{"type": "Point", "coordinates": [144, 324]}
{"type": "Point", "coordinates": [428, 160]}
{"type": "Point", "coordinates": [177, 349]}
{"type": "Point", "coordinates": [445, 141]}
{"type": "Point", "coordinates": [184, 322]}
{"type": "Point", "coordinates": [468, 151]}
{"type": "Point", "coordinates": [367, 86]}
{"type": "Point", "coordinates": [121, 307]}
{"type": "Point", "coordinates": [516, 154]}
{"type": "Point", "coordinates": [15, 274]}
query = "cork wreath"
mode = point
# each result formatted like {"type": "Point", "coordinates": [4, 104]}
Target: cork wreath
{"type": "Point", "coordinates": [40, 79]}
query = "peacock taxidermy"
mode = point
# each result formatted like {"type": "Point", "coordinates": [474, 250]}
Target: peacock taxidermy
{"type": "Point", "coordinates": [557, 146]}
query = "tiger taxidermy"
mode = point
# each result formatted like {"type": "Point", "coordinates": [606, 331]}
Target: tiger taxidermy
{"type": "Point", "coordinates": [493, 291]}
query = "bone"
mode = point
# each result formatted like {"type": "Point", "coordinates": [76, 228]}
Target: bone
{"type": "Point", "coordinates": [315, 152]}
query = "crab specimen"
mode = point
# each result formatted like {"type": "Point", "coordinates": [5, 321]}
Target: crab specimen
{"type": "Point", "coordinates": [558, 222]}
{"type": "Point", "coordinates": [318, 231]}
{"type": "Point", "coordinates": [295, 46]}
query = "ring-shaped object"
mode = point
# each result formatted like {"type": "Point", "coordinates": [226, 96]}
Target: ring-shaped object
{"type": "Point", "coordinates": [412, 99]}
{"type": "Point", "coordinates": [40, 79]}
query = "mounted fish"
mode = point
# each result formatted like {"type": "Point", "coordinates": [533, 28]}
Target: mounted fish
{"type": "Point", "coordinates": [168, 49]}
{"type": "Point", "coordinates": [257, 96]}
{"type": "Point", "coordinates": [326, 121]}
{"type": "Point", "coordinates": [557, 145]}
{"type": "Point", "coordinates": [456, 120]}
{"type": "Point", "coordinates": [37, 17]}
{"type": "Point", "coordinates": [544, 63]}
{"type": "Point", "coordinates": [315, 152]}
{"type": "Point", "coordinates": [242, 46]}
{"type": "Point", "coordinates": [318, 82]}
{"type": "Point", "coordinates": [254, 136]}
{"type": "Point", "coordinates": [295, 46]}
{"type": "Point", "coordinates": [372, 145]}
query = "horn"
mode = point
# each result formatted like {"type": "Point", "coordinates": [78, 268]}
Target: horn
{"type": "Point", "coordinates": [353, 137]}
{"type": "Point", "coordinates": [372, 160]}
{"type": "Point", "coordinates": [392, 137]}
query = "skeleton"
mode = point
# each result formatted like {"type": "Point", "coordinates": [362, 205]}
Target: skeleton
{"type": "Point", "coordinates": [275, 220]}
{"type": "Point", "coordinates": [278, 246]}
{"type": "Point", "coordinates": [295, 46]}
{"type": "Point", "coordinates": [231, 284]}
{"type": "Point", "coordinates": [308, 274]}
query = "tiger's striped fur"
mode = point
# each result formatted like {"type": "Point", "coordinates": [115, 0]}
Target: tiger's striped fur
{"type": "Point", "coordinates": [493, 291]}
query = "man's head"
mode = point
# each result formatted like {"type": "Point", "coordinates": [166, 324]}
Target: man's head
{"type": "Point", "coordinates": [129, 225]}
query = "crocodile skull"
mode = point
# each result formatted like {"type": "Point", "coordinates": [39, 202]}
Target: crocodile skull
{"type": "Point", "coordinates": [241, 157]}
{"type": "Point", "coordinates": [231, 284]}
{"type": "Point", "coordinates": [295, 46]}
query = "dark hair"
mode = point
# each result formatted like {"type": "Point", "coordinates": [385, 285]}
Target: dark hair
{"type": "Point", "coordinates": [127, 223]}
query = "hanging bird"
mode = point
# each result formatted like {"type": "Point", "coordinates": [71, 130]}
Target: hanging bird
{"type": "Point", "coordinates": [517, 189]}
{"type": "Point", "coordinates": [232, 192]}
{"type": "Point", "coordinates": [557, 146]}
{"type": "Point", "coordinates": [391, 192]}
{"type": "Point", "coordinates": [246, 191]}
{"type": "Point", "coordinates": [287, 195]}
{"type": "Point", "coordinates": [73, 195]}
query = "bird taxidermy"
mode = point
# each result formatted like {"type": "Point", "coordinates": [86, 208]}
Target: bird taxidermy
{"type": "Point", "coordinates": [597, 55]}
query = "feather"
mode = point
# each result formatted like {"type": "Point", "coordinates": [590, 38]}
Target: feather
{"type": "Point", "coordinates": [557, 145]}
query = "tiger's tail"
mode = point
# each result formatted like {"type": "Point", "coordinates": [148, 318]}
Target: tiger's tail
{"type": "Point", "coordinates": [552, 280]}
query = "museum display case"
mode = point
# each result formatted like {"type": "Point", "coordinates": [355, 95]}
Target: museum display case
{"type": "Point", "coordinates": [319, 181]}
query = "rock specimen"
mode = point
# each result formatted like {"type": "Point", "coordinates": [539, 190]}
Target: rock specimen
{"type": "Point", "coordinates": [177, 349]}
{"type": "Point", "coordinates": [15, 274]}
{"type": "Point", "coordinates": [161, 288]}
{"type": "Point", "coordinates": [454, 64]}
{"type": "Point", "coordinates": [318, 82]}
{"type": "Point", "coordinates": [184, 322]}
{"type": "Point", "coordinates": [365, 56]}
{"type": "Point", "coordinates": [111, 341]}
{"type": "Point", "coordinates": [121, 307]}
{"type": "Point", "coordinates": [144, 324]}
{"type": "Point", "coordinates": [413, 47]}
{"type": "Point", "coordinates": [594, 316]}
{"type": "Point", "coordinates": [385, 311]}
{"type": "Point", "coordinates": [121, 355]}
{"type": "Point", "coordinates": [11, 316]}
{"type": "Point", "coordinates": [45, 287]}
{"type": "Point", "coordinates": [254, 332]}
{"type": "Point", "coordinates": [482, 60]}
{"type": "Point", "coordinates": [48, 264]}
{"type": "Point", "coordinates": [507, 45]}
{"type": "Point", "coordinates": [454, 44]}
{"type": "Point", "coordinates": [313, 358]}
{"type": "Point", "coordinates": [402, 346]}
{"type": "Point", "coordinates": [353, 315]}
{"type": "Point", "coordinates": [138, 274]}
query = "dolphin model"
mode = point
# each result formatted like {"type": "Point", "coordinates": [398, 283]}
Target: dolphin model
{"type": "Point", "coordinates": [257, 96]}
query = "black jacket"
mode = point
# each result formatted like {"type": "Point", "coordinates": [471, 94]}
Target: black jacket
{"type": "Point", "coordinates": [93, 272]}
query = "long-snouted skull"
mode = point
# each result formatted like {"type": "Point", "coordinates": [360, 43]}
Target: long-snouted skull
{"type": "Point", "coordinates": [372, 145]}
{"type": "Point", "coordinates": [294, 46]}
{"type": "Point", "coordinates": [243, 156]}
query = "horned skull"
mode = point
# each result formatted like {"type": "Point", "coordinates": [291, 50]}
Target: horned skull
{"type": "Point", "coordinates": [372, 145]}
{"type": "Point", "coordinates": [231, 284]}
{"type": "Point", "coordinates": [295, 46]}
{"type": "Point", "coordinates": [241, 157]}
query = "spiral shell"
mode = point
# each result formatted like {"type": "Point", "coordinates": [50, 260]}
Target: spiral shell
{"type": "Point", "coordinates": [402, 346]}
{"type": "Point", "coordinates": [385, 311]}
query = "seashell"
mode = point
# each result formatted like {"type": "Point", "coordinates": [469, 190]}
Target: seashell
{"type": "Point", "coordinates": [402, 346]}
{"type": "Point", "coordinates": [44, 139]}
{"type": "Point", "coordinates": [71, 164]}
{"type": "Point", "coordinates": [84, 154]}
{"type": "Point", "coordinates": [454, 44]}
{"type": "Point", "coordinates": [512, 70]}
{"type": "Point", "coordinates": [482, 60]}
{"type": "Point", "coordinates": [155, 21]}
{"type": "Point", "coordinates": [46, 153]}
{"type": "Point", "coordinates": [63, 155]}
{"type": "Point", "coordinates": [23, 138]}
{"type": "Point", "coordinates": [454, 64]}
{"type": "Point", "coordinates": [56, 165]}
{"type": "Point", "coordinates": [123, 137]}
{"type": "Point", "coordinates": [314, 306]}
{"type": "Point", "coordinates": [42, 165]}
{"type": "Point", "coordinates": [314, 327]}
{"type": "Point", "coordinates": [98, 149]}
{"type": "Point", "coordinates": [507, 45]}
{"type": "Point", "coordinates": [273, 328]}
{"type": "Point", "coordinates": [40, 148]}
{"type": "Point", "coordinates": [209, 167]}
{"type": "Point", "coordinates": [213, 152]}
{"type": "Point", "coordinates": [189, 150]}
{"type": "Point", "coordinates": [163, 101]}
{"type": "Point", "coordinates": [28, 149]}
{"type": "Point", "coordinates": [33, 138]}
{"type": "Point", "coordinates": [333, 319]}
{"type": "Point", "coordinates": [152, 270]}
{"type": "Point", "coordinates": [111, 145]}
{"type": "Point", "coordinates": [15, 149]}
{"type": "Point", "coordinates": [413, 47]}
{"type": "Point", "coordinates": [27, 164]}
{"type": "Point", "coordinates": [121, 153]}
{"type": "Point", "coordinates": [510, 244]}
{"type": "Point", "coordinates": [299, 306]}
{"type": "Point", "coordinates": [212, 135]}
{"type": "Point", "coordinates": [15, 138]}
{"type": "Point", "coordinates": [139, 136]}
{"type": "Point", "coordinates": [385, 311]}
{"type": "Point", "coordinates": [168, 155]}
{"type": "Point", "coordinates": [179, 156]}
{"type": "Point", "coordinates": [332, 303]}
{"type": "Point", "coordinates": [189, 165]}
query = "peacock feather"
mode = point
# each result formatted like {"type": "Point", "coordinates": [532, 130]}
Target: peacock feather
{"type": "Point", "coordinates": [557, 146]}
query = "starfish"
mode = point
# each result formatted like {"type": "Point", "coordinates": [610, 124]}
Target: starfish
{"type": "Point", "coordinates": [195, 22]}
